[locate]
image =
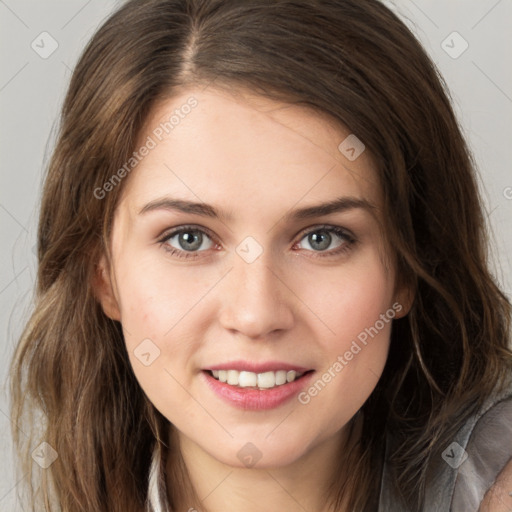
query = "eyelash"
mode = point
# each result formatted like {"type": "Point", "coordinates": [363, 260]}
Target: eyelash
{"type": "Point", "coordinates": [340, 232]}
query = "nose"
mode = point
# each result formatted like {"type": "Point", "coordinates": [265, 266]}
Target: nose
{"type": "Point", "coordinates": [256, 299]}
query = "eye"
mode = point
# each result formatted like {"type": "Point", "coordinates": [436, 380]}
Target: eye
{"type": "Point", "coordinates": [321, 238]}
{"type": "Point", "coordinates": [186, 241]}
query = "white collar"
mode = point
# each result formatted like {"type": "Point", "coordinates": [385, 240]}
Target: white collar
{"type": "Point", "coordinates": [157, 499]}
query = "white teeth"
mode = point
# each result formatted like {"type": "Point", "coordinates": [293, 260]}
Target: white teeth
{"type": "Point", "coordinates": [290, 376]}
{"type": "Point", "coordinates": [247, 379]}
{"type": "Point", "coordinates": [280, 377]}
{"type": "Point", "coordinates": [265, 380]}
{"type": "Point", "coordinates": [233, 377]}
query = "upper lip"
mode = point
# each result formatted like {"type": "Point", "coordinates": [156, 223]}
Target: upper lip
{"type": "Point", "coordinates": [250, 366]}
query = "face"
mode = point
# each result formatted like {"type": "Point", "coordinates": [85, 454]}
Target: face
{"type": "Point", "coordinates": [290, 303]}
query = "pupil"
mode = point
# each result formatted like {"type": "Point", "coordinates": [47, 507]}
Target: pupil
{"type": "Point", "coordinates": [314, 238]}
{"type": "Point", "coordinates": [193, 241]}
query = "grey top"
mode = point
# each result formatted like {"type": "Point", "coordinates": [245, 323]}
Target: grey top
{"type": "Point", "coordinates": [469, 465]}
{"type": "Point", "coordinates": [466, 471]}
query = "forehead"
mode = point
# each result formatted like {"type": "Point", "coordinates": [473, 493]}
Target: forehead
{"type": "Point", "coordinates": [245, 153]}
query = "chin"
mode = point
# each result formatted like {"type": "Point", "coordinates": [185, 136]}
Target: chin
{"type": "Point", "coordinates": [259, 454]}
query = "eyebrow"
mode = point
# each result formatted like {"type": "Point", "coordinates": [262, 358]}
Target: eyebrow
{"type": "Point", "coordinates": [337, 205]}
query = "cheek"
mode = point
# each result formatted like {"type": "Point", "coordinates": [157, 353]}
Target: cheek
{"type": "Point", "coordinates": [355, 307]}
{"type": "Point", "coordinates": [157, 307]}
{"type": "Point", "coordinates": [155, 301]}
{"type": "Point", "coordinates": [348, 301]}
{"type": "Point", "coordinates": [159, 343]}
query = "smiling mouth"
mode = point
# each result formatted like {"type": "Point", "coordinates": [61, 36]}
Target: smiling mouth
{"type": "Point", "coordinates": [261, 381]}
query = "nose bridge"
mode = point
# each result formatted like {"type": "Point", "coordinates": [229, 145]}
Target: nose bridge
{"type": "Point", "coordinates": [256, 301]}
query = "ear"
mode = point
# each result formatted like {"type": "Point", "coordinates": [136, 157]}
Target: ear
{"type": "Point", "coordinates": [404, 299]}
{"type": "Point", "coordinates": [103, 288]}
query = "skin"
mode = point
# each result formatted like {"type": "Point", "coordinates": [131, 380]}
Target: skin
{"type": "Point", "coordinates": [257, 160]}
{"type": "Point", "coordinates": [499, 497]}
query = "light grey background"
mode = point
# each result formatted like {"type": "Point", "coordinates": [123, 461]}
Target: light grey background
{"type": "Point", "coordinates": [32, 89]}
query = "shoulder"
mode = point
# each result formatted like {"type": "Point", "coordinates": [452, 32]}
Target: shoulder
{"type": "Point", "coordinates": [483, 480]}
{"type": "Point", "coordinates": [499, 497]}
{"type": "Point", "coordinates": [474, 472]}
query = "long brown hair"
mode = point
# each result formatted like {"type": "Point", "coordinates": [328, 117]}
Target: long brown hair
{"type": "Point", "coordinates": [352, 59]}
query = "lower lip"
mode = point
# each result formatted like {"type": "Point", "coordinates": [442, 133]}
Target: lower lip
{"type": "Point", "coordinates": [255, 399]}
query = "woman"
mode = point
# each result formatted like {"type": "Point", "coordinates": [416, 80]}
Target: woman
{"type": "Point", "coordinates": [262, 273]}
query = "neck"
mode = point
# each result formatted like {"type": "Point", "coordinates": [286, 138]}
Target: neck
{"type": "Point", "coordinates": [198, 482]}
